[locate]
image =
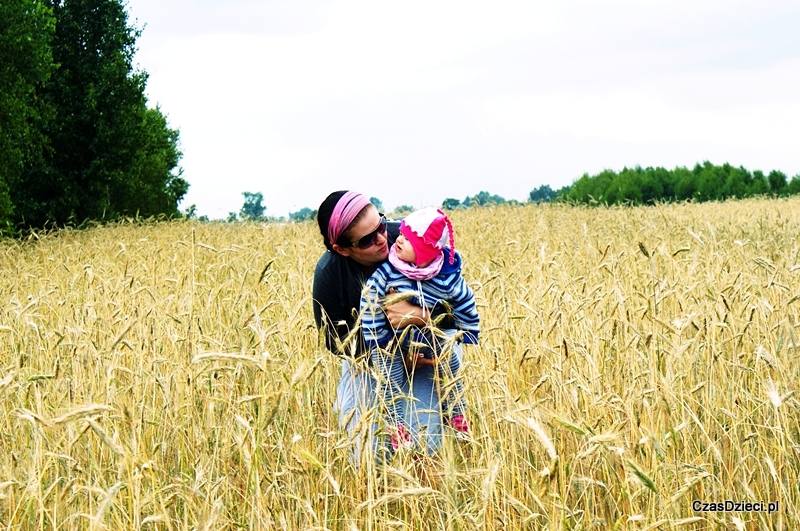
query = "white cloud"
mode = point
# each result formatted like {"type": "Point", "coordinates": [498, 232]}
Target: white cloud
{"type": "Point", "coordinates": [416, 101]}
{"type": "Point", "coordinates": [639, 118]}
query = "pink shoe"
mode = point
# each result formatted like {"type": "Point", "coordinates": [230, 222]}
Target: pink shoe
{"type": "Point", "coordinates": [401, 439]}
{"type": "Point", "coordinates": [459, 424]}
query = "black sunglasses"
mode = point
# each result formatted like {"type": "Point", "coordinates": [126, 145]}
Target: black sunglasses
{"type": "Point", "coordinates": [365, 242]}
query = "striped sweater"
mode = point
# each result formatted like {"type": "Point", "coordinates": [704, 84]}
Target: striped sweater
{"type": "Point", "coordinates": [447, 289]}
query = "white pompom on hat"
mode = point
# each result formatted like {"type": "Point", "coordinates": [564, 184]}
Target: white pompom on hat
{"type": "Point", "coordinates": [428, 231]}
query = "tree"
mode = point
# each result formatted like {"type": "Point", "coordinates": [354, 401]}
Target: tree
{"type": "Point", "coordinates": [666, 180]}
{"type": "Point", "coordinates": [252, 209]}
{"type": "Point", "coordinates": [451, 203]}
{"type": "Point", "coordinates": [777, 181]}
{"type": "Point", "coordinates": [710, 181]}
{"type": "Point", "coordinates": [483, 198]}
{"type": "Point", "coordinates": [306, 214]}
{"type": "Point", "coordinates": [26, 63]}
{"type": "Point", "coordinates": [794, 185]}
{"type": "Point", "coordinates": [685, 184]}
{"type": "Point", "coordinates": [737, 182]}
{"type": "Point", "coordinates": [582, 190]}
{"type": "Point", "coordinates": [112, 155]}
{"type": "Point", "coordinates": [651, 184]}
{"type": "Point", "coordinates": [542, 194]}
{"type": "Point", "coordinates": [402, 210]}
{"type": "Point", "coordinates": [377, 202]}
{"type": "Point", "coordinates": [151, 187]}
{"type": "Point", "coordinates": [760, 184]}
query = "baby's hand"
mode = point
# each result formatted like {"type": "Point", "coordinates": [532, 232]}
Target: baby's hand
{"type": "Point", "coordinates": [413, 359]}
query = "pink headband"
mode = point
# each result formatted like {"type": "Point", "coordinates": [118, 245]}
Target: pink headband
{"type": "Point", "coordinates": [345, 211]}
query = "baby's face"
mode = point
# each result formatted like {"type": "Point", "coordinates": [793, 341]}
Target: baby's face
{"type": "Point", "coordinates": [404, 250]}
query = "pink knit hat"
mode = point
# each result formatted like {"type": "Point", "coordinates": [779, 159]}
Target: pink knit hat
{"type": "Point", "coordinates": [428, 231]}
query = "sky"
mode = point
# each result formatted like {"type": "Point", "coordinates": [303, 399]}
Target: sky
{"type": "Point", "coordinates": [414, 102]}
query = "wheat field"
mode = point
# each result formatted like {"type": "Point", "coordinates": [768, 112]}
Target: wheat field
{"type": "Point", "coordinates": [633, 361]}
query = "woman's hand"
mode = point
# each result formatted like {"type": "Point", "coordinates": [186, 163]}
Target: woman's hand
{"type": "Point", "coordinates": [402, 314]}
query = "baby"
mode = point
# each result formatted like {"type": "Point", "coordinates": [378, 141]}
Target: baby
{"type": "Point", "coordinates": [423, 265]}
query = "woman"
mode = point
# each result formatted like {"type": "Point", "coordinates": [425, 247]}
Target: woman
{"type": "Point", "coordinates": [357, 238]}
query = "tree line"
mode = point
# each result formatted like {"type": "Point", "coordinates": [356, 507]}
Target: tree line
{"type": "Point", "coordinates": [704, 182]}
{"type": "Point", "coordinates": [636, 186]}
{"type": "Point", "coordinates": [78, 140]}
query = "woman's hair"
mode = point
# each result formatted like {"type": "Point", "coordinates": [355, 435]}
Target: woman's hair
{"type": "Point", "coordinates": [324, 214]}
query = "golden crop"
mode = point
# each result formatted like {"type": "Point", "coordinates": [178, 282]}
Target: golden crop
{"type": "Point", "coordinates": [169, 376]}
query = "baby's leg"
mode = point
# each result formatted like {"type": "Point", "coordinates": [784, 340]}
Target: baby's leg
{"type": "Point", "coordinates": [450, 366]}
{"type": "Point", "coordinates": [419, 343]}
{"type": "Point", "coordinates": [429, 344]}
{"type": "Point", "coordinates": [391, 378]}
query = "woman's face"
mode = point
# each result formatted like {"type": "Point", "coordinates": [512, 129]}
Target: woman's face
{"type": "Point", "coordinates": [374, 255]}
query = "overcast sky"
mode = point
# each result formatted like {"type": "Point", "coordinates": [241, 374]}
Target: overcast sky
{"type": "Point", "coordinates": [416, 101]}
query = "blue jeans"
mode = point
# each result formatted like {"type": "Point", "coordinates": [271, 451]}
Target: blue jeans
{"type": "Point", "coordinates": [357, 394]}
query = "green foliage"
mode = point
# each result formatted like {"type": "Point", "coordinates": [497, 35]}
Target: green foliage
{"type": "Point", "coordinates": [543, 194]}
{"type": "Point", "coordinates": [306, 214]}
{"type": "Point", "coordinates": [402, 210]}
{"type": "Point", "coordinates": [793, 188]}
{"type": "Point", "coordinates": [150, 187]}
{"type": "Point", "coordinates": [483, 199]}
{"type": "Point", "coordinates": [777, 181]}
{"type": "Point", "coordinates": [377, 202]}
{"type": "Point", "coordinates": [705, 182]}
{"type": "Point", "coordinates": [252, 209]}
{"type": "Point", "coordinates": [6, 207]}
{"type": "Point", "coordinates": [451, 204]}
{"type": "Point", "coordinates": [96, 151]}
{"type": "Point", "coordinates": [26, 63]}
